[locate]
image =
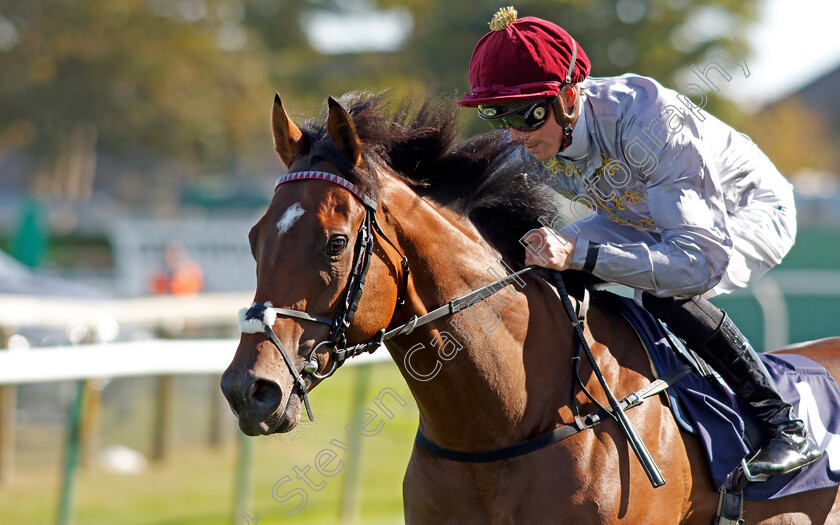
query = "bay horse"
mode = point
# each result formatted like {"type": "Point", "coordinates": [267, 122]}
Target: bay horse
{"type": "Point", "coordinates": [455, 213]}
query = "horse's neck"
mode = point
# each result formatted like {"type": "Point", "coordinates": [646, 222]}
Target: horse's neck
{"type": "Point", "coordinates": [468, 371]}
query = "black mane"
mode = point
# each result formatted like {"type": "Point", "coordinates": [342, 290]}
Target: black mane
{"type": "Point", "coordinates": [484, 178]}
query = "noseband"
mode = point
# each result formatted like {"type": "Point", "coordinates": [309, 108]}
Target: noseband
{"type": "Point", "coordinates": [260, 317]}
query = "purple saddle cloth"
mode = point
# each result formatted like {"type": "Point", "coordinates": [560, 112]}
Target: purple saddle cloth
{"type": "Point", "coordinates": [707, 408]}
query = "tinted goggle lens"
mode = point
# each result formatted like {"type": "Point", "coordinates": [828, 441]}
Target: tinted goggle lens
{"type": "Point", "coordinates": [528, 117]}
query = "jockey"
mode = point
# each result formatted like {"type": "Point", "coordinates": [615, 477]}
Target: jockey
{"type": "Point", "coordinates": [686, 207]}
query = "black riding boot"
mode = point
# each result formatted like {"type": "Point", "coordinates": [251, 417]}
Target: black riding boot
{"type": "Point", "coordinates": [787, 445]}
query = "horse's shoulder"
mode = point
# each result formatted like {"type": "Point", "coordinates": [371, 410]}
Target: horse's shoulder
{"type": "Point", "coordinates": [609, 327]}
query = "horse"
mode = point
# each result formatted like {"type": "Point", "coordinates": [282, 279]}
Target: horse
{"type": "Point", "coordinates": [439, 218]}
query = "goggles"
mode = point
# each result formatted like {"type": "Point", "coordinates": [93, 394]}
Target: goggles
{"type": "Point", "coordinates": [526, 116]}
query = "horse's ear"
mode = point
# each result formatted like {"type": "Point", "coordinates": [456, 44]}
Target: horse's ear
{"type": "Point", "coordinates": [342, 132]}
{"type": "Point", "coordinates": [288, 139]}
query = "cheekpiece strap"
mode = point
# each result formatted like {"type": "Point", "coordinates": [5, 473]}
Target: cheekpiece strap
{"type": "Point", "coordinates": [329, 177]}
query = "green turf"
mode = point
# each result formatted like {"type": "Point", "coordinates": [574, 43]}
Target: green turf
{"type": "Point", "coordinates": [197, 486]}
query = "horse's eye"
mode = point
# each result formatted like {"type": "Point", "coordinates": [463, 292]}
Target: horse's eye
{"type": "Point", "coordinates": [336, 244]}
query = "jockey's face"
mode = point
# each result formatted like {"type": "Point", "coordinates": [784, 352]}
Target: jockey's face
{"type": "Point", "coordinates": [543, 142]}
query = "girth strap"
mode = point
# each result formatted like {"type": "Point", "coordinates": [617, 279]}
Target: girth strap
{"type": "Point", "coordinates": [556, 435]}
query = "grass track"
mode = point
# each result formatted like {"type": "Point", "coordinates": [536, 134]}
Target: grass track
{"type": "Point", "coordinates": [196, 487]}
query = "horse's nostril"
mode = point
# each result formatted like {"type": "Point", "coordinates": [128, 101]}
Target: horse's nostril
{"type": "Point", "coordinates": [266, 392]}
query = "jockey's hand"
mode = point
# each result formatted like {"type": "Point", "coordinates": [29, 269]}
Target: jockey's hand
{"type": "Point", "coordinates": [549, 248]}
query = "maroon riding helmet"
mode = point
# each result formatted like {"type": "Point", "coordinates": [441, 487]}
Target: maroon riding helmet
{"type": "Point", "coordinates": [524, 58]}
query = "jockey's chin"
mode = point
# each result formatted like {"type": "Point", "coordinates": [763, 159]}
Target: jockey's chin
{"type": "Point", "coordinates": [543, 143]}
{"type": "Point", "coordinates": [542, 151]}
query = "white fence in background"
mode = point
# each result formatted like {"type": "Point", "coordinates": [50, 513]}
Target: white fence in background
{"type": "Point", "coordinates": [152, 357]}
{"type": "Point", "coordinates": [127, 359]}
{"type": "Point", "coordinates": [770, 292]}
{"type": "Point", "coordinates": [163, 311]}
{"type": "Point", "coordinates": [131, 358]}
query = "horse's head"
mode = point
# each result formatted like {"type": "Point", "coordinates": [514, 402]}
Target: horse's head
{"type": "Point", "coordinates": [313, 247]}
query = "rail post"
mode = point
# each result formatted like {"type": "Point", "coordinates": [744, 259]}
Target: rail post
{"type": "Point", "coordinates": [217, 408]}
{"type": "Point", "coordinates": [244, 481]}
{"type": "Point", "coordinates": [350, 508]}
{"type": "Point", "coordinates": [8, 402]}
{"type": "Point", "coordinates": [164, 437]}
{"type": "Point", "coordinates": [67, 501]}
{"type": "Point", "coordinates": [89, 430]}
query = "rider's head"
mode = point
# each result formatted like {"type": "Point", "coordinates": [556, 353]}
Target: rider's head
{"type": "Point", "coordinates": [522, 71]}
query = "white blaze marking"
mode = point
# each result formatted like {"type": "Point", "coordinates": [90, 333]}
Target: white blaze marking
{"type": "Point", "coordinates": [289, 217]}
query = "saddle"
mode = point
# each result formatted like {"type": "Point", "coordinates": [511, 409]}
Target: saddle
{"type": "Point", "coordinates": [702, 404]}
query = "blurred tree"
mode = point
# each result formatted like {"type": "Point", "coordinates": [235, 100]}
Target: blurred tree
{"type": "Point", "coordinates": [794, 137]}
{"type": "Point", "coordinates": [303, 76]}
{"type": "Point", "coordinates": [132, 77]}
{"type": "Point", "coordinates": [193, 80]}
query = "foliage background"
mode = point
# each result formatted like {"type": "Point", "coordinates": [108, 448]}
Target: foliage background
{"type": "Point", "coordinates": [133, 97]}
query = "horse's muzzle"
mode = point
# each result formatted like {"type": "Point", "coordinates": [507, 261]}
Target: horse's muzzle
{"type": "Point", "coordinates": [255, 401]}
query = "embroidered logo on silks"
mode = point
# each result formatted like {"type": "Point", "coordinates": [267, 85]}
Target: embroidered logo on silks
{"type": "Point", "coordinates": [596, 198]}
{"type": "Point", "coordinates": [255, 318]}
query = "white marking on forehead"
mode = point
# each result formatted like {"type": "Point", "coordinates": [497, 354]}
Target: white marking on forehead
{"type": "Point", "coordinates": [289, 218]}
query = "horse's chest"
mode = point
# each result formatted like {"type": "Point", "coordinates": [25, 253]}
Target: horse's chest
{"type": "Point", "coordinates": [543, 487]}
{"type": "Point", "coordinates": [576, 482]}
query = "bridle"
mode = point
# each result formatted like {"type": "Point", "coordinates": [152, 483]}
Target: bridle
{"type": "Point", "coordinates": [259, 318]}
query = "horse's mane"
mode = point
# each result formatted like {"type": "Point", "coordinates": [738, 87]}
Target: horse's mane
{"type": "Point", "coordinates": [485, 178]}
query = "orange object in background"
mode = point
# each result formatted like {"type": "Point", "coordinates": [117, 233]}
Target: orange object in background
{"type": "Point", "coordinates": [179, 274]}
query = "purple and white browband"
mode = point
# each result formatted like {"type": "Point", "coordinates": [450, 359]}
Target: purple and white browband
{"type": "Point", "coordinates": [329, 177]}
